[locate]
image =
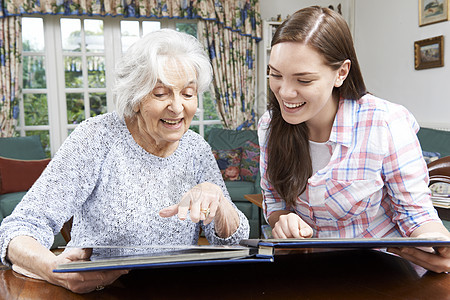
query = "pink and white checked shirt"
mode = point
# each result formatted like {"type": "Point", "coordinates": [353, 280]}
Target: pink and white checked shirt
{"type": "Point", "coordinates": [376, 183]}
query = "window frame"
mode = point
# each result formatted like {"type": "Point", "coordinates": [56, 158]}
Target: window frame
{"type": "Point", "coordinates": [58, 126]}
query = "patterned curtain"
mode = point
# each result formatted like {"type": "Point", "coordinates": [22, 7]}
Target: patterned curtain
{"type": "Point", "coordinates": [233, 59]}
{"type": "Point", "coordinates": [233, 56]}
{"type": "Point", "coordinates": [230, 30]}
{"type": "Point", "coordinates": [9, 74]}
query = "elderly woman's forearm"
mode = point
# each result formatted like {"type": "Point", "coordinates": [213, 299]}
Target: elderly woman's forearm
{"type": "Point", "coordinates": [227, 219]}
{"type": "Point", "coordinates": [29, 254]}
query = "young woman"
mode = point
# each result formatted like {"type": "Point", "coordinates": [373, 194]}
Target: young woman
{"type": "Point", "coordinates": [335, 160]}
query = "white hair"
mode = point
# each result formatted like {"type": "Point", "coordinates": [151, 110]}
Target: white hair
{"type": "Point", "coordinates": [144, 63]}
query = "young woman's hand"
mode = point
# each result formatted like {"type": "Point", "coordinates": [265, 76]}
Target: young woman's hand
{"type": "Point", "coordinates": [291, 226]}
{"type": "Point", "coordinates": [436, 260]}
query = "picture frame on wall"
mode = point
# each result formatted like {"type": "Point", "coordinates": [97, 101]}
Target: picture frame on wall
{"type": "Point", "coordinates": [433, 11]}
{"type": "Point", "coordinates": [429, 53]}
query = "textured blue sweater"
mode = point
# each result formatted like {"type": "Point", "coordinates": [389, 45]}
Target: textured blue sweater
{"type": "Point", "coordinates": [114, 189]}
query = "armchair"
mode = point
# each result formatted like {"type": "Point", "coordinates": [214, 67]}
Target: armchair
{"type": "Point", "coordinates": [439, 172]}
{"type": "Point", "coordinates": [22, 159]}
{"type": "Point", "coordinates": [225, 139]}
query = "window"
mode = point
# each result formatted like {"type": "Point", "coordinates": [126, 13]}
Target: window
{"type": "Point", "coordinates": [67, 76]}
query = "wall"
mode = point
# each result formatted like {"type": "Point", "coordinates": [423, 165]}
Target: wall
{"type": "Point", "coordinates": [384, 33]}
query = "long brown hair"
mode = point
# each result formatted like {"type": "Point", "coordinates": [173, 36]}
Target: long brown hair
{"type": "Point", "coordinates": [289, 161]}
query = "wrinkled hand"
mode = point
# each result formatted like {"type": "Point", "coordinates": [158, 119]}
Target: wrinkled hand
{"type": "Point", "coordinates": [202, 201]}
{"type": "Point", "coordinates": [436, 260]}
{"type": "Point", "coordinates": [291, 226]}
{"type": "Point", "coordinates": [81, 282]}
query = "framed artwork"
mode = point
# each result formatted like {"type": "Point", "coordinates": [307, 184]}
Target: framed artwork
{"type": "Point", "coordinates": [432, 11]}
{"type": "Point", "coordinates": [429, 53]}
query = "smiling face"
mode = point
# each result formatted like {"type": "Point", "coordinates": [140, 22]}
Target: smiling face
{"type": "Point", "coordinates": [165, 114]}
{"type": "Point", "coordinates": [303, 85]}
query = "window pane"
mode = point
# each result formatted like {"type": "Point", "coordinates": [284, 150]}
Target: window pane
{"type": "Point", "coordinates": [75, 108]}
{"type": "Point", "coordinates": [73, 72]}
{"type": "Point", "coordinates": [33, 72]}
{"type": "Point", "coordinates": [45, 139]}
{"type": "Point", "coordinates": [97, 102]}
{"type": "Point", "coordinates": [35, 109]}
{"type": "Point", "coordinates": [209, 107]}
{"type": "Point", "coordinates": [32, 34]}
{"type": "Point", "coordinates": [149, 26]}
{"type": "Point", "coordinates": [93, 32]}
{"type": "Point", "coordinates": [190, 28]}
{"type": "Point", "coordinates": [96, 71]}
{"type": "Point", "coordinates": [71, 34]}
{"type": "Point", "coordinates": [129, 31]}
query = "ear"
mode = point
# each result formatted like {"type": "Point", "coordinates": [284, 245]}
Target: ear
{"type": "Point", "coordinates": [137, 107]}
{"type": "Point", "coordinates": [342, 73]}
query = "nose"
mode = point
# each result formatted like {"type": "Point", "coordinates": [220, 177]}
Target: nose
{"type": "Point", "coordinates": [287, 90]}
{"type": "Point", "coordinates": [176, 105]}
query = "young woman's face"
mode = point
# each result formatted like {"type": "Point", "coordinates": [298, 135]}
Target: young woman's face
{"type": "Point", "coordinates": [302, 84]}
{"type": "Point", "coordinates": [167, 111]}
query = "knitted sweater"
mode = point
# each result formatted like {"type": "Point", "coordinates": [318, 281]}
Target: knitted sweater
{"type": "Point", "coordinates": [114, 189]}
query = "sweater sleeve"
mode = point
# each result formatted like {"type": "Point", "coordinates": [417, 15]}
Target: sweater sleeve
{"type": "Point", "coordinates": [208, 171]}
{"type": "Point", "coordinates": [60, 190]}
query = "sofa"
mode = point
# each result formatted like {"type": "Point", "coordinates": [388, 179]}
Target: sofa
{"type": "Point", "coordinates": [436, 149]}
{"type": "Point", "coordinates": [22, 160]}
{"type": "Point", "coordinates": [237, 154]}
{"type": "Point", "coordinates": [434, 140]}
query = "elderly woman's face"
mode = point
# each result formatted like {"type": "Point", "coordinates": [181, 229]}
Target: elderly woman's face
{"type": "Point", "coordinates": [166, 113]}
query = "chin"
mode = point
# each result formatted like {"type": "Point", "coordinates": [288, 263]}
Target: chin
{"type": "Point", "coordinates": [292, 120]}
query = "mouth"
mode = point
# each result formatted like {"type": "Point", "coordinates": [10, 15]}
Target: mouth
{"type": "Point", "coordinates": [172, 122]}
{"type": "Point", "coordinates": [293, 105]}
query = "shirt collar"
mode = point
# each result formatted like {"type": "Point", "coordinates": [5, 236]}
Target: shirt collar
{"type": "Point", "coordinates": [342, 131]}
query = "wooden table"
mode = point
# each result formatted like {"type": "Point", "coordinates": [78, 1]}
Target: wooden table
{"type": "Point", "coordinates": [257, 200]}
{"type": "Point", "coordinates": [308, 274]}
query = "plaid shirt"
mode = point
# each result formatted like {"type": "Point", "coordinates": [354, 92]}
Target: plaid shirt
{"type": "Point", "coordinates": [376, 183]}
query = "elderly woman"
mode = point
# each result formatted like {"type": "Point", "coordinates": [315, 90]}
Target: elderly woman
{"type": "Point", "coordinates": [136, 176]}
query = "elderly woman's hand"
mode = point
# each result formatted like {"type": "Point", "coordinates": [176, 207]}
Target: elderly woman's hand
{"type": "Point", "coordinates": [82, 282]}
{"type": "Point", "coordinates": [42, 262]}
{"type": "Point", "coordinates": [206, 202]}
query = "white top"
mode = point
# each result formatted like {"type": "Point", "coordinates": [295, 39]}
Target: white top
{"type": "Point", "coordinates": [320, 157]}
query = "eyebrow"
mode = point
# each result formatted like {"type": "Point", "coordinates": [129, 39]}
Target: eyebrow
{"type": "Point", "coordinates": [191, 82]}
{"type": "Point", "coordinates": [295, 74]}
{"type": "Point", "coordinates": [186, 85]}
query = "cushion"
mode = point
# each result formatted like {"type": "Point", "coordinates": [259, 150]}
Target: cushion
{"type": "Point", "coordinates": [440, 189]}
{"type": "Point", "coordinates": [229, 162]}
{"type": "Point", "coordinates": [430, 156]}
{"type": "Point", "coordinates": [24, 147]}
{"type": "Point", "coordinates": [250, 161]}
{"type": "Point", "coordinates": [9, 201]}
{"type": "Point", "coordinates": [19, 175]}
